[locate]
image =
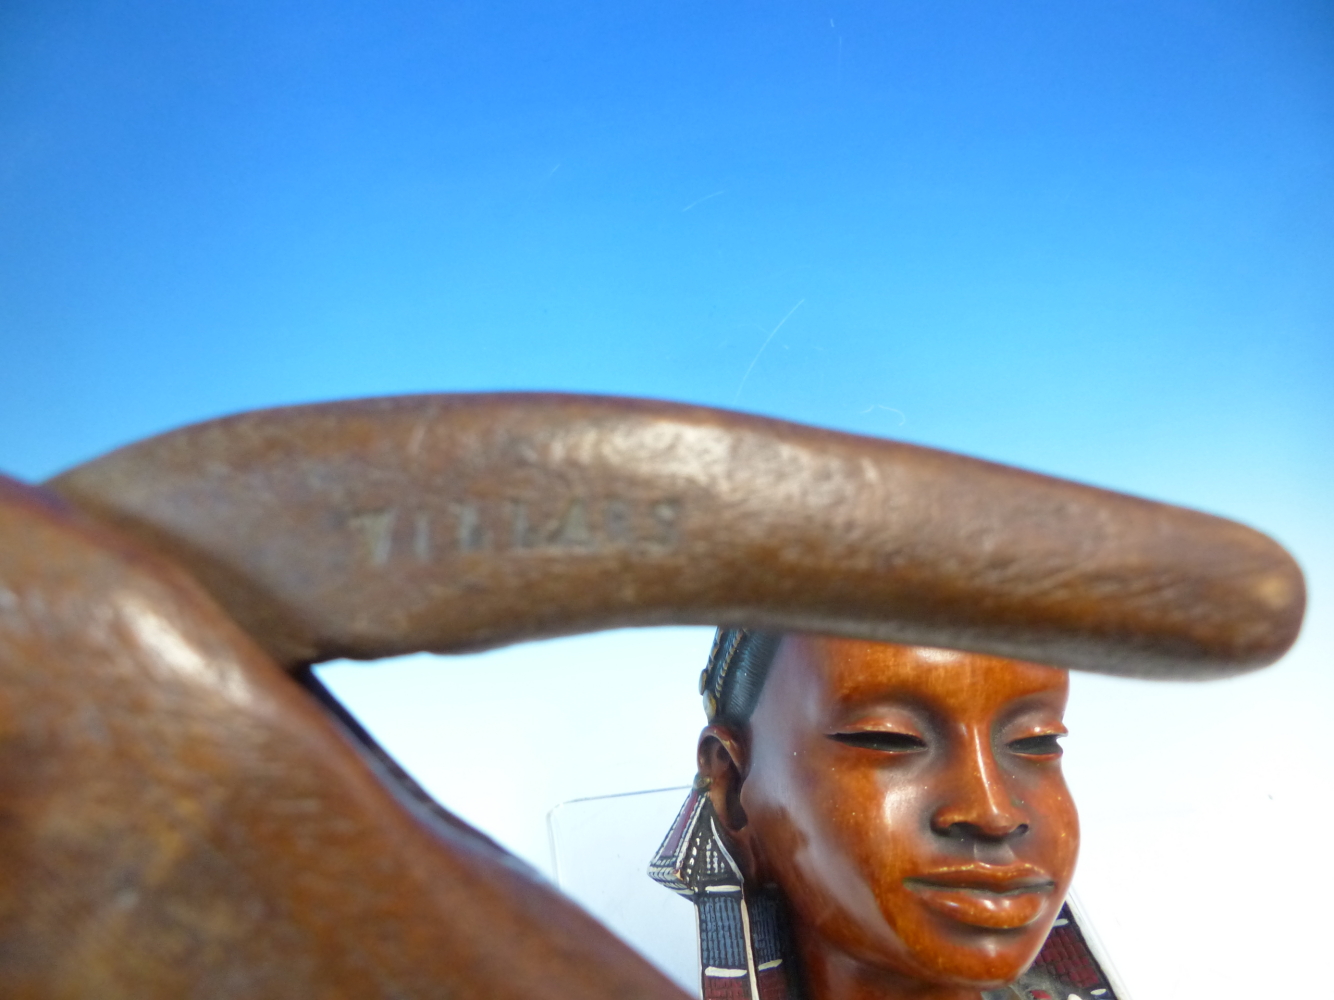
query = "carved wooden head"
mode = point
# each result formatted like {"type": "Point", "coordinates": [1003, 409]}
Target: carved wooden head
{"type": "Point", "coordinates": [909, 805]}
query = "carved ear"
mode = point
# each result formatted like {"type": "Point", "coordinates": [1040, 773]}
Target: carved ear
{"type": "Point", "coordinates": [722, 762]}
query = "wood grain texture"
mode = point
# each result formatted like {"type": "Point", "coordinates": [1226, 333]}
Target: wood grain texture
{"type": "Point", "coordinates": [447, 523]}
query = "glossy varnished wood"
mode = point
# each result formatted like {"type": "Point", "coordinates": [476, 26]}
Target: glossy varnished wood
{"type": "Point", "coordinates": [908, 805]}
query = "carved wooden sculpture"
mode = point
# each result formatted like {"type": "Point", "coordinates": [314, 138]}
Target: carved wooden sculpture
{"type": "Point", "coordinates": [887, 821]}
{"type": "Point", "coordinates": [178, 818]}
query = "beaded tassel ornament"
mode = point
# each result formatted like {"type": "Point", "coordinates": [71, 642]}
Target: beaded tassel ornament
{"type": "Point", "coordinates": [741, 935]}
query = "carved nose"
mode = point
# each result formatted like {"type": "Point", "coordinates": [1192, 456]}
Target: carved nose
{"type": "Point", "coordinates": [979, 804]}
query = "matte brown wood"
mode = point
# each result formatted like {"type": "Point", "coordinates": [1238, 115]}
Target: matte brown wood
{"type": "Point", "coordinates": [179, 819]}
{"type": "Point", "coordinates": [447, 523]}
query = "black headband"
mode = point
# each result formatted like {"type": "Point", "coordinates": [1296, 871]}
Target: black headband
{"type": "Point", "coordinates": [738, 664]}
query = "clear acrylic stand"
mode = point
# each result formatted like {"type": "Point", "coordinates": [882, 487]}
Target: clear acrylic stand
{"type": "Point", "coordinates": [600, 850]}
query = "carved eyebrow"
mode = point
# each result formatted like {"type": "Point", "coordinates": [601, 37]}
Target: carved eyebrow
{"type": "Point", "coordinates": [880, 739]}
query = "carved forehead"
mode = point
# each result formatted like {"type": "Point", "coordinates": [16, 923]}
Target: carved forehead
{"type": "Point", "coordinates": [830, 673]}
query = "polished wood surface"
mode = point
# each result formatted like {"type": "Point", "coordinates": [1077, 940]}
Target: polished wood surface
{"type": "Point", "coordinates": [375, 527]}
{"type": "Point", "coordinates": [908, 804]}
{"type": "Point", "coordinates": [179, 818]}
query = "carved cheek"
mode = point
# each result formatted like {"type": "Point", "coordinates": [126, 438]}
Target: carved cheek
{"type": "Point", "coordinates": [904, 822]}
{"type": "Point", "coordinates": [1063, 820]}
{"type": "Point", "coordinates": [840, 862]}
{"type": "Point", "coordinates": [869, 837]}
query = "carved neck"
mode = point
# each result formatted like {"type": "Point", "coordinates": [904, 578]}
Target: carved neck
{"type": "Point", "coordinates": [831, 974]}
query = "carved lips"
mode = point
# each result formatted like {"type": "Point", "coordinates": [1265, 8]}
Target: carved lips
{"type": "Point", "coordinates": [992, 896]}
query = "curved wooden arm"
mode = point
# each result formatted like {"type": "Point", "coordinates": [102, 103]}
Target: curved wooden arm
{"type": "Point", "coordinates": [445, 523]}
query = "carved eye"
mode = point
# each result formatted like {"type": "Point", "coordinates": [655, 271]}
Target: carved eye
{"type": "Point", "coordinates": [876, 739]}
{"type": "Point", "coordinates": [1045, 745]}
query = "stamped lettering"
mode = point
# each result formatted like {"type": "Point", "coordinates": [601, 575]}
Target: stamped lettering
{"type": "Point", "coordinates": [666, 516]}
{"type": "Point", "coordinates": [521, 534]}
{"type": "Point", "coordinates": [377, 530]}
{"type": "Point", "coordinates": [618, 522]}
{"type": "Point", "coordinates": [573, 528]}
{"type": "Point", "coordinates": [421, 538]}
{"type": "Point", "coordinates": [471, 533]}
{"type": "Point", "coordinates": [573, 524]}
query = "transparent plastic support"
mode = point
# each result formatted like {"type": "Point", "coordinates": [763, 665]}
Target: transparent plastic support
{"type": "Point", "coordinates": [600, 851]}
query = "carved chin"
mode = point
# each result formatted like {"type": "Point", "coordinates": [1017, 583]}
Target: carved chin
{"type": "Point", "coordinates": [948, 941]}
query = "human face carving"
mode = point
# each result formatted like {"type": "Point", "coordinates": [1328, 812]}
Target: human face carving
{"type": "Point", "coordinates": [909, 803]}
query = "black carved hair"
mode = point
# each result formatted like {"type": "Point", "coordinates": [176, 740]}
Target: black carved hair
{"type": "Point", "coordinates": [738, 665]}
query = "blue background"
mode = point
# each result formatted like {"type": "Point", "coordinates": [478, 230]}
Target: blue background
{"type": "Point", "coordinates": [1094, 239]}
